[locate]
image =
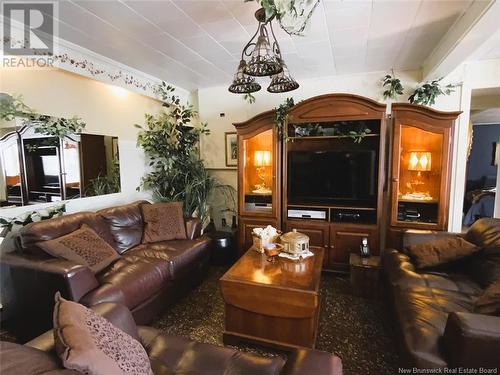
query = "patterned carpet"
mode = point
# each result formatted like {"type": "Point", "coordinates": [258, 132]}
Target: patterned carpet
{"type": "Point", "coordinates": [354, 328]}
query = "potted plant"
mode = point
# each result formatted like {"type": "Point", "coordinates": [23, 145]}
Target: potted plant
{"type": "Point", "coordinates": [170, 142]}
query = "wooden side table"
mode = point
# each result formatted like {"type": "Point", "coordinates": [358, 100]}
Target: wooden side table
{"type": "Point", "coordinates": [364, 275]}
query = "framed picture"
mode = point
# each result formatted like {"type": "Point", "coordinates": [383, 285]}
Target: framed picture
{"type": "Point", "coordinates": [231, 149]}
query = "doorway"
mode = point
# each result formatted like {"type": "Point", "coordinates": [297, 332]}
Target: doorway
{"type": "Point", "coordinates": [483, 177]}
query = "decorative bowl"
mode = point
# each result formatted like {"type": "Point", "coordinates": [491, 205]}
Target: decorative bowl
{"type": "Point", "coordinates": [273, 249]}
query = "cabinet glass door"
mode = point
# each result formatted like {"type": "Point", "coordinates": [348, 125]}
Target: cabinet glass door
{"type": "Point", "coordinates": [258, 169]}
{"type": "Point", "coordinates": [419, 180]}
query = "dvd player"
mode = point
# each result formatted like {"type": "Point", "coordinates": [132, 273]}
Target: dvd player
{"type": "Point", "coordinates": [307, 214]}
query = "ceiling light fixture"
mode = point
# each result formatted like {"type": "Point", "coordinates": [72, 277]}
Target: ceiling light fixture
{"type": "Point", "coordinates": [264, 60]}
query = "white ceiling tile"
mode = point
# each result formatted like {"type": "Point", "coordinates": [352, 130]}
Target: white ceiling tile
{"type": "Point", "coordinates": [120, 16]}
{"type": "Point", "coordinates": [353, 64]}
{"type": "Point", "coordinates": [158, 12]}
{"type": "Point", "coordinates": [173, 48]}
{"type": "Point", "coordinates": [244, 12]}
{"type": "Point", "coordinates": [355, 36]}
{"type": "Point", "coordinates": [346, 50]}
{"type": "Point", "coordinates": [438, 11]}
{"type": "Point", "coordinates": [229, 29]}
{"type": "Point", "coordinates": [348, 18]}
{"type": "Point", "coordinates": [391, 18]}
{"type": "Point", "coordinates": [202, 11]}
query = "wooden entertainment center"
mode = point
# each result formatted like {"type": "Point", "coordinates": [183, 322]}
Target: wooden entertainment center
{"type": "Point", "coordinates": [343, 135]}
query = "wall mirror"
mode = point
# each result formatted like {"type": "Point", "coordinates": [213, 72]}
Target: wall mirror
{"type": "Point", "coordinates": [37, 168]}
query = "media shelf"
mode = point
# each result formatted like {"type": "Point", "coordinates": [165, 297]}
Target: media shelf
{"type": "Point", "coordinates": [339, 214]}
{"type": "Point", "coordinates": [335, 155]}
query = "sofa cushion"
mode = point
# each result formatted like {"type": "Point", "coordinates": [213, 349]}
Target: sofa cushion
{"type": "Point", "coordinates": [87, 342]}
{"type": "Point", "coordinates": [422, 313]}
{"type": "Point", "coordinates": [178, 256]}
{"type": "Point", "coordinates": [83, 246]}
{"type": "Point", "coordinates": [179, 355]}
{"type": "Point", "coordinates": [163, 222]}
{"type": "Point", "coordinates": [45, 230]}
{"type": "Point", "coordinates": [440, 251]}
{"type": "Point", "coordinates": [125, 224]}
{"type": "Point", "coordinates": [489, 301]}
{"type": "Point", "coordinates": [130, 281]}
{"type": "Point", "coordinates": [484, 233]}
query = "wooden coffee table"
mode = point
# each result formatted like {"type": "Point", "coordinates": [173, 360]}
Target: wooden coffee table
{"type": "Point", "coordinates": [274, 304]}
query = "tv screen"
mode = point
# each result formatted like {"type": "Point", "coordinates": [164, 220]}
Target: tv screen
{"type": "Point", "coordinates": [333, 177]}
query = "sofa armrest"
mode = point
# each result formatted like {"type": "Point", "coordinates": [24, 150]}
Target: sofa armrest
{"type": "Point", "coordinates": [71, 279]}
{"type": "Point", "coordinates": [472, 340]}
{"type": "Point", "coordinates": [193, 228]}
{"type": "Point", "coordinates": [306, 361]}
{"type": "Point", "coordinates": [399, 270]}
{"type": "Point", "coordinates": [415, 236]}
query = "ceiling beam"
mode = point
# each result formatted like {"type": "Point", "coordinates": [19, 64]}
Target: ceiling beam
{"type": "Point", "coordinates": [476, 26]}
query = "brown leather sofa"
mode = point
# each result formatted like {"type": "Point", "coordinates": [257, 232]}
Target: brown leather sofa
{"type": "Point", "coordinates": [433, 309]}
{"type": "Point", "coordinates": [146, 278]}
{"type": "Point", "coordinates": [168, 354]}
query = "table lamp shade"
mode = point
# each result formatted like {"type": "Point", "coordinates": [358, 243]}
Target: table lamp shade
{"type": "Point", "coordinates": [262, 158]}
{"type": "Point", "coordinates": [419, 161]}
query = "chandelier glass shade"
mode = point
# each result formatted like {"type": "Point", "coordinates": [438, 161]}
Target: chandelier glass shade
{"type": "Point", "coordinates": [283, 81]}
{"type": "Point", "coordinates": [242, 83]}
{"type": "Point", "coordinates": [264, 60]}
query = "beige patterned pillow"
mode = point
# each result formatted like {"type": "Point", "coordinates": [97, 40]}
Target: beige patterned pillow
{"type": "Point", "coordinates": [83, 246]}
{"type": "Point", "coordinates": [89, 343]}
{"type": "Point", "coordinates": [163, 222]}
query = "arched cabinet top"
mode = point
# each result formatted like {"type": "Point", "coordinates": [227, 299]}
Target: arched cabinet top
{"type": "Point", "coordinates": [330, 107]}
{"type": "Point", "coordinates": [423, 113]}
{"type": "Point", "coordinates": [262, 121]}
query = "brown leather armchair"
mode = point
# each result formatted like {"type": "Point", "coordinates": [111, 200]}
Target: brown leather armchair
{"type": "Point", "coordinates": [433, 309]}
{"type": "Point", "coordinates": [169, 354]}
{"type": "Point", "coordinates": [146, 279]}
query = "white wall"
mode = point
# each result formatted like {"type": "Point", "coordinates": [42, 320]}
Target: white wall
{"type": "Point", "coordinates": [216, 100]}
{"type": "Point", "coordinates": [105, 110]}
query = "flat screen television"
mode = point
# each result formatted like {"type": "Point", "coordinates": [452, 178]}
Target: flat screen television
{"type": "Point", "coordinates": [333, 177]}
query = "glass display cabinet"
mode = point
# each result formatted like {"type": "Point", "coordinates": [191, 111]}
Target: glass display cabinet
{"type": "Point", "coordinates": [258, 176]}
{"type": "Point", "coordinates": [422, 139]}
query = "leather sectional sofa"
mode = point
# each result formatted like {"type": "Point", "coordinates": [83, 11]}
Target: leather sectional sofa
{"type": "Point", "coordinates": [146, 279]}
{"type": "Point", "coordinates": [168, 354]}
{"type": "Point", "coordinates": [434, 309]}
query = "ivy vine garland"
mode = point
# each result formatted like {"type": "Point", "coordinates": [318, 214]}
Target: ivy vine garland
{"type": "Point", "coordinates": [13, 106]}
{"type": "Point", "coordinates": [280, 118]}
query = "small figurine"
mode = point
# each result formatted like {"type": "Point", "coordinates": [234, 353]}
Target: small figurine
{"type": "Point", "coordinates": [364, 250]}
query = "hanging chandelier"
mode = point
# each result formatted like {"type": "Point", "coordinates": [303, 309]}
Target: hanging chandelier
{"type": "Point", "coordinates": [264, 60]}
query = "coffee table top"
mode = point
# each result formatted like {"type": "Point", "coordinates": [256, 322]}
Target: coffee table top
{"type": "Point", "coordinates": [254, 268]}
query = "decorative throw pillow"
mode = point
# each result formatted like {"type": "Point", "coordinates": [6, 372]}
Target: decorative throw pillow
{"type": "Point", "coordinates": [489, 302]}
{"type": "Point", "coordinates": [163, 222]}
{"type": "Point", "coordinates": [87, 342]}
{"type": "Point", "coordinates": [440, 251]}
{"type": "Point", "coordinates": [83, 246]}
